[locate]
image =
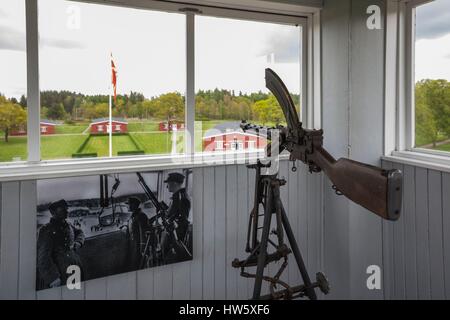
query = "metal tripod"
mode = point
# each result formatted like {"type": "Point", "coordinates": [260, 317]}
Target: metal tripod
{"type": "Point", "coordinates": [267, 194]}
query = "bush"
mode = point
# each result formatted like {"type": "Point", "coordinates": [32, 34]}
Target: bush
{"type": "Point", "coordinates": [84, 155]}
{"type": "Point", "coordinates": [131, 153]}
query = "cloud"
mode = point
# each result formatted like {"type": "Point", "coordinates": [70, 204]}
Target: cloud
{"type": "Point", "coordinates": [62, 44]}
{"type": "Point", "coordinates": [284, 45]}
{"type": "Point", "coordinates": [433, 20]}
{"type": "Point", "coordinates": [12, 39]}
{"type": "Point", "coordinates": [447, 56]}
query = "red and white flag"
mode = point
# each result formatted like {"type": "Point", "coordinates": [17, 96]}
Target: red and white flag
{"type": "Point", "coordinates": [113, 77]}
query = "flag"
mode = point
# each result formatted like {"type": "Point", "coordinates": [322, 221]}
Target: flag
{"type": "Point", "coordinates": [113, 77]}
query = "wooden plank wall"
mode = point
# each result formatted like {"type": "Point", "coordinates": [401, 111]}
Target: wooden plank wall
{"type": "Point", "coordinates": [222, 196]}
{"type": "Point", "coordinates": [416, 248]}
{"type": "Point", "coordinates": [413, 252]}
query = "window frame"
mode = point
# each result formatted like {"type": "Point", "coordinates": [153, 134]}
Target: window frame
{"type": "Point", "coordinates": [399, 124]}
{"type": "Point", "coordinates": [35, 168]}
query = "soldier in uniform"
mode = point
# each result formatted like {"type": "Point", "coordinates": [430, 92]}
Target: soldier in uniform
{"type": "Point", "coordinates": [180, 205]}
{"type": "Point", "coordinates": [57, 246]}
{"type": "Point", "coordinates": [139, 224]}
{"type": "Point", "coordinates": [173, 242]}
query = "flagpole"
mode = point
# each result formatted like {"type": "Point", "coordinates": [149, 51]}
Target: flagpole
{"type": "Point", "coordinates": [110, 125]}
{"type": "Point", "coordinates": [110, 109]}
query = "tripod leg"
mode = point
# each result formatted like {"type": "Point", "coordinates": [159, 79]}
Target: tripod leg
{"type": "Point", "coordinates": [263, 245]}
{"type": "Point", "coordinates": [296, 251]}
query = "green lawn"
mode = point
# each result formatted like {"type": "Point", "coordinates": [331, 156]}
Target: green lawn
{"type": "Point", "coordinates": [15, 147]}
{"type": "Point", "coordinates": [63, 146]}
{"type": "Point", "coordinates": [60, 147]}
{"type": "Point", "coordinates": [154, 143]}
{"type": "Point", "coordinates": [445, 147]}
{"type": "Point", "coordinates": [52, 147]}
{"type": "Point", "coordinates": [100, 145]}
{"type": "Point", "coordinates": [71, 129]}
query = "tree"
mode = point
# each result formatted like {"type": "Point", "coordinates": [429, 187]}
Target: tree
{"type": "Point", "coordinates": [101, 110]}
{"type": "Point", "coordinates": [170, 106]}
{"type": "Point", "coordinates": [268, 110]}
{"type": "Point", "coordinates": [426, 127]}
{"type": "Point", "coordinates": [12, 117]}
{"type": "Point", "coordinates": [56, 112]}
{"type": "Point", "coordinates": [23, 101]}
{"type": "Point", "coordinates": [435, 95]}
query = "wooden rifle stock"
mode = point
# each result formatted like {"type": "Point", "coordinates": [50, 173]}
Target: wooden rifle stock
{"type": "Point", "coordinates": [373, 188]}
{"type": "Point", "coordinates": [378, 190]}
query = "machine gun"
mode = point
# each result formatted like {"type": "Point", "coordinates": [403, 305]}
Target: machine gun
{"type": "Point", "coordinates": [375, 189]}
{"type": "Point", "coordinates": [168, 223]}
{"type": "Point", "coordinates": [161, 207]}
{"type": "Point", "coordinates": [378, 190]}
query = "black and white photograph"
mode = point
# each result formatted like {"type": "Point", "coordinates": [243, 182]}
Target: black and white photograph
{"type": "Point", "coordinates": [112, 223]}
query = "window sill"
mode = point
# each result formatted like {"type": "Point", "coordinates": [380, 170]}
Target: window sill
{"type": "Point", "coordinates": [67, 168]}
{"type": "Point", "coordinates": [428, 159]}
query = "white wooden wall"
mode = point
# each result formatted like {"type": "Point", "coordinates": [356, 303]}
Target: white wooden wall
{"type": "Point", "coordinates": [416, 250]}
{"type": "Point", "coordinates": [222, 198]}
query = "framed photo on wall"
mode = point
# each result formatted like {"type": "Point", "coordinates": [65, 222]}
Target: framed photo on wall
{"type": "Point", "coordinates": [108, 224]}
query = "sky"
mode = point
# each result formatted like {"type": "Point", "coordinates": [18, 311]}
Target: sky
{"type": "Point", "coordinates": [433, 41]}
{"type": "Point", "coordinates": [148, 47]}
{"type": "Point", "coordinates": [76, 41]}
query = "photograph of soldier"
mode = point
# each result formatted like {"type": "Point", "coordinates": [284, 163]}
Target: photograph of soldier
{"type": "Point", "coordinates": [138, 228]}
{"type": "Point", "coordinates": [112, 223]}
{"type": "Point", "coordinates": [57, 246]}
{"type": "Point", "coordinates": [178, 214]}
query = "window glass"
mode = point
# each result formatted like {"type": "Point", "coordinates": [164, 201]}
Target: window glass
{"type": "Point", "coordinates": [231, 57]}
{"type": "Point", "coordinates": [13, 82]}
{"type": "Point", "coordinates": [78, 44]}
{"type": "Point", "coordinates": [432, 76]}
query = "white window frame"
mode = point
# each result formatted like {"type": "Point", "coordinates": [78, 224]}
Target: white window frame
{"type": "Point", "coordinates": [306, 14]}
{"type": "Point", "coordinates": [399, 122]}
{"type": "Point", "coordinates": [219, 145]}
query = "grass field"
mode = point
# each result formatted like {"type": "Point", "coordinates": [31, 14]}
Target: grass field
{"type": "Point", "coordinates": [14, 148]}
{"type": "Point", "coordinates": [70, 129]}
{"type": "Point", "coordinates": [154, 143]}
{"type": "Point", "coordinates": [60, 147]}
{"type": "Point", "coordinates": [69, 139]}
{"type": "Point", "coordinates": [52, 147]}
{"type": "Point", "coordinates": [445, 147]}
{"type": "Point", "coordinates": [100, 145]}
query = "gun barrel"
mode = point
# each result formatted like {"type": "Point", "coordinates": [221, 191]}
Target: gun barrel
{"type": "Point", "coordinates": [263, 131]}
{"type": "Point", "coordinates": [150, 195]}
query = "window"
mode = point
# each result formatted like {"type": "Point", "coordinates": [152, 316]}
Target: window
{"type": "Point", "coordinates": [432, 76]}
{"type": "Point", "coordinates": [219, 145]}
{"type": "Point", "coordinates": [13, 82]}
{"type": "Point", "coordinates": [148, 51]}
{"type": "Point", "coordinates": [179, 70]}
{"type": "Point", "coordinates": [231, 57]}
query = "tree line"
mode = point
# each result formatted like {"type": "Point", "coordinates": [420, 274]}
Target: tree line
{"type": "Point", "coordinates": [432, 111]}
{"type": "Point", "coordinates": [210, 105]}
{"type": "Point", "coordinates": [72, 107]}
{"type": "Point", "coordinates": [432, 99]}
